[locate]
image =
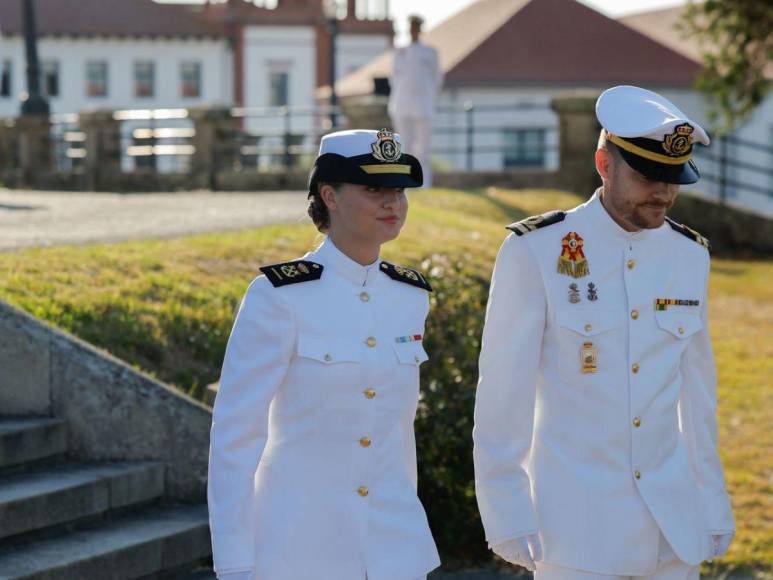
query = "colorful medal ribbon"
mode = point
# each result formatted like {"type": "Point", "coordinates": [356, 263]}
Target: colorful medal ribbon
{"type": "Point", "coordinates": [572, 261]}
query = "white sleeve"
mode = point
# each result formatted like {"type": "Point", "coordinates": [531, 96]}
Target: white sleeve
{"type": "Point", "coordinates": [245, 575]}
{"type": "Point", "coordinates": [257, 357]}
{"type": "Point", "coordinates": [505, 398]}
{"type": "Point", "coordinates": [698, 414]}
{"type": "Point", "coordinates": [438, 72]}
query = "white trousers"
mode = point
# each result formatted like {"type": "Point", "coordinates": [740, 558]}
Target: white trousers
{"type": "Point", "coordinates": [670, 567]}
{"type": "Point", "coordinates": [415, 140]}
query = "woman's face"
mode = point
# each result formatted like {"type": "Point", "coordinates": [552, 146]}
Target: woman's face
{"type": "Point", "coordinates": [367, 213]}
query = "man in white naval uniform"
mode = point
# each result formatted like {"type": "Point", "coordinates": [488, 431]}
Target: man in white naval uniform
{"type": "Point", "coordinates": [595, 420]}
{"type": "Point", "coordinates": [415, 83]}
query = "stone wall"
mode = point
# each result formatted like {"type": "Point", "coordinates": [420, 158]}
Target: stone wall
{"type": "Point", "coordinates": [113, 411]}
{"type": "Point", "coordinates": [731, 231]}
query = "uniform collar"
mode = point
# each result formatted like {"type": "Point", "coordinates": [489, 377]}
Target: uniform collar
{"type": "Point", "coordinates": [603, 223]}
{"type": "Point", "coordinates": [330, 256]}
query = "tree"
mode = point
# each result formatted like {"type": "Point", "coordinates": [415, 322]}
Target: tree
{"type": "Point", "coordinates": [736, 39]}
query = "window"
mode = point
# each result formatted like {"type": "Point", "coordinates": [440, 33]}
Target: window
{"type": "Point", "coordinates": [5, 79]}
{"type": "Point", "coordinates": [278, 85]}
{"type": "Point", "coordinates": [96, 79]}
{"type": "Point", "coordinates": [190, 77]}
{"type": "Point", "coordinates": [524, 147]}
{"type": "Point", "coordinates": [144, 79]}
{"type": "Point", "coordinates": [49, 73]}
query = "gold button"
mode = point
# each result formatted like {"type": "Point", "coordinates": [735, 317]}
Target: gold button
{"type": "Point", "coordinates": [637, 422]}
{"type": "Point", "coordinates": [637, 474]}
{"type": "Point", "coordinates": [365, 441]}
{"type": "Point", "coordinates": [588, 328]}
{"type": "Point", "coordinates": [362, 490]}
{"type": "Point", "coordinates": [634, 314]}
{"type": "Point", "coordinates": [631, 263]}
{"type": "Point", "coordinates": [364, 296]}
{"type": "Point", "coordinates": [369, 393]}
{"type": "Point", "coordinates": [328, 358]}
{"type": "Point", "coordinates": [635, 368]}
{"type": "Point", "coordinates": [371, 342]}
{"type": "Point", "coordinates": [681, 330]}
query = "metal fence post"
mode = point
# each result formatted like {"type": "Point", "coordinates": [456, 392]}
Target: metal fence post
{"type": "Point", "coordinates": [469, 111]}
{"type": "Point", "coordinates": [722, 169]}
{"type": "Point", "coordinates": [286, 137]}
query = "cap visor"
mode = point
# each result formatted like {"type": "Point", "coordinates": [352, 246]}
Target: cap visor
{"type": "Point", "coordinates": [679, 174]}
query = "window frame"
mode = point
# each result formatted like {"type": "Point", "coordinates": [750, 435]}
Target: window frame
{"type": "Point", "coordinates": [138, 93]}
{"type": "Point", "coordinates": [515, 153]}
{"type": "Point", "coordinates": [105, 81]}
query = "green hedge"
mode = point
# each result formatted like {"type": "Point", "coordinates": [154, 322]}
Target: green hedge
{"type": "Point", "coordinates": [445, 415]}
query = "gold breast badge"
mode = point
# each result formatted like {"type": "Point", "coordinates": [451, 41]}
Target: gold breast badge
{"type": "Point", "coordinates": [572, 260]}
{"type": "Point", "coordinates": [588, 356]}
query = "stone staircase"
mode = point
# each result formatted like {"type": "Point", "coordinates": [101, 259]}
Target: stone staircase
{"type": "Point", "coordinates": [67, 520]}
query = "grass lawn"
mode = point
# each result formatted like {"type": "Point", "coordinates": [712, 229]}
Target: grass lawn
{"type": "Point", "coordinates": [167, 307]}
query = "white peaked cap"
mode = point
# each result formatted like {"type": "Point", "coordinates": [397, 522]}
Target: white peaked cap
{"type": "Point", "coordinates": [350, 143]}
{"type": "Point", "coordinates": [632, 112]}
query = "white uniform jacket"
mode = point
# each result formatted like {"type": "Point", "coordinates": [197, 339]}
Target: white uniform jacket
{"type": "Point", "coordinates": [599, 463]}
{"type": "Point", "coordinates": [312, 468]}
{"type": "Point", "coordinates": [415, 82]}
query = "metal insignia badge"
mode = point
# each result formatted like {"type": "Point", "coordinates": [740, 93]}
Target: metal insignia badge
{"type": "Point", "coordinates": [592, 292]}
{"type": "Point", "coordinates": [588, 356]}
{"type": "Point", "coordinates": [572, 261]}
{"type": "Point", "coordinates": [679, 142]}
{"type": "Point", "coordinates": [574, 293]}
{"type": "Point", "coordinates": [386, 148]}
{"type": "Point", "coordinates": [406, 272]}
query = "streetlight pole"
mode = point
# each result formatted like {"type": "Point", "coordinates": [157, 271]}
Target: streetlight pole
{"type": "Point", "coordinates": [331, 13]}
{"type": "Point", "coordinates": [34, 103]}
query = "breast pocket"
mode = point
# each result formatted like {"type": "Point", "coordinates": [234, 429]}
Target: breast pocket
{"type": "Point", "coordinates": [589, 341]}
{"type": "Point", "coordinates": [680, 325]}
{"type": "Point", "coordinates": [410, 353]}
{"type": "Point", "coordinates": [327, 366]}
{"type": "Point", "coordinates": [328, 351]}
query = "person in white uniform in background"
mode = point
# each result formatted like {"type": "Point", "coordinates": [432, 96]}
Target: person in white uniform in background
{"type": "Point", "coordinates": [414, 86]}
{"type": "Point", "coordinates": [312, 467]}
{"type": "Point", "coordinates": [595, 438]}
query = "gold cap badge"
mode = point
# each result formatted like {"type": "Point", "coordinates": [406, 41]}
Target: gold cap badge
{"type": "Point", "coordinates": [385, 148]}
{"type": "Point", "coordinates": [679, 142]}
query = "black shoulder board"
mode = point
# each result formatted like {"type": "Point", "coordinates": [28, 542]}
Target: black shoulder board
{"type": "Point", "coordinates": [401, 274]}
{"type": "Point", "coordinates": [689, 232]}
{"type": "Point", "coordinates": [292, 272]}
{"type": "Point", "coordinates": [536, 222]}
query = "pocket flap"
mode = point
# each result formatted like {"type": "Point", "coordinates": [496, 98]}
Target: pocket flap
{"type": "Point", "coordinates": [587, 322]}
{"type": "Point", "coordinates": [410, 353]}
{"type": "Point", "coordinates": [680, 324]}
{"type": "Point", "coordinates": [328, 350]}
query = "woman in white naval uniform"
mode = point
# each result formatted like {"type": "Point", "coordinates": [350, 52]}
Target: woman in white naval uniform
{"type": "Point", "coordinates": [312, 469]}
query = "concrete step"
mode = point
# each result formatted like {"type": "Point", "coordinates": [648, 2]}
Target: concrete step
{"type": "Point", "coordinates": [150, 543]}
{"type": "Point", "coordinates": [51, 496]}
{"type": "Point", "coordinates": [31, 439]}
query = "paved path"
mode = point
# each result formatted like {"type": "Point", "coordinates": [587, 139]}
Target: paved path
{"type": "Point", "coordinates": [35, 218]}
